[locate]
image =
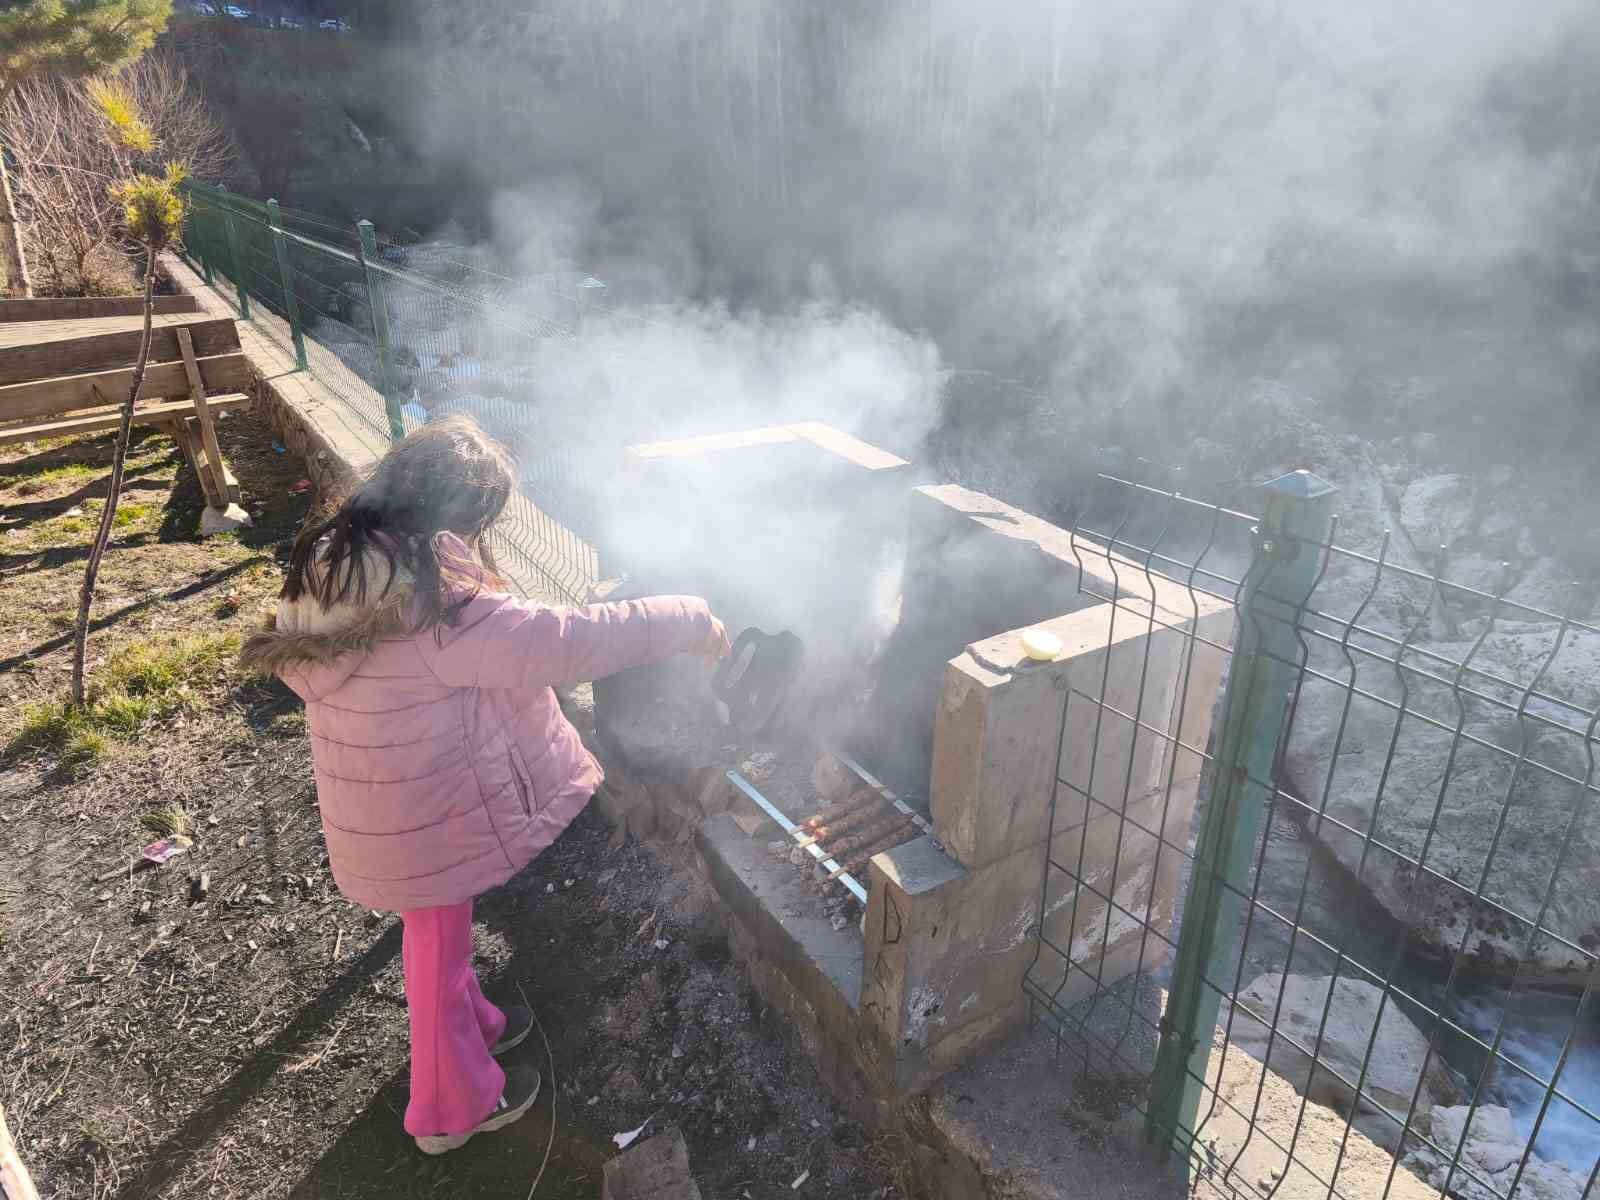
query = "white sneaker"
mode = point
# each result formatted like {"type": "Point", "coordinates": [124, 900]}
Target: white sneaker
{"type": "Point", "coordinates": [522, 1089]}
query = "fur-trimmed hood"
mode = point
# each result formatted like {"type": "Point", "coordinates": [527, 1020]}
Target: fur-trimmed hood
{"type": "Point", "coordinates": [315, 649]}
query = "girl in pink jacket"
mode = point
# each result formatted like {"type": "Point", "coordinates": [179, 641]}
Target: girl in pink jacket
{"type": "Point", "coordinates": [443, 763]}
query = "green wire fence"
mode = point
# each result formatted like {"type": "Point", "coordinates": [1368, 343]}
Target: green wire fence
{"type": "Point", "coordinates": [401, 347]}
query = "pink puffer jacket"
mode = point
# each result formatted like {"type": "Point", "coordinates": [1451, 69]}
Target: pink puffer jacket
{"type": "Point", "coordinates": [444, 764]}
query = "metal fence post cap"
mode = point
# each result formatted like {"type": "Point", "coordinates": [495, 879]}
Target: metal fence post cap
{"type": "Point", "coordinates": [1299, 485]}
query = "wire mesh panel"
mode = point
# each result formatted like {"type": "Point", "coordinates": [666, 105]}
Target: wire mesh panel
{"type": "Point", "coordinates": [401, 348]}
{"type": "Point", "coordinates": [1387, 894]}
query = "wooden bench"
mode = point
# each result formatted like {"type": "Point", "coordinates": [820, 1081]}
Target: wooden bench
{"type": "Point", "coordinates": [55, 308]}
{"type": "Point", "coordinates": [195, 370]}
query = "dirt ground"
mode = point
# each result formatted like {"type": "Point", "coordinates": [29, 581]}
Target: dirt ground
{"type": "Point", "coordinates": [249, 1039]}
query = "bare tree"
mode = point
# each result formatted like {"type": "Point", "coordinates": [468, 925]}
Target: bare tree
{"type": "Point", "coordinates": [63, 162]}
{"type": "Point", "coordinates": [150, 209]}
{"type": "Point", "coordinates": [172, 101]}
{"type": "Point", "coordinates": [47, 38]}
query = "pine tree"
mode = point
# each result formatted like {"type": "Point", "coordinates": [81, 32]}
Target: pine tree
{"type": "Point", "coordinates": [63, 37]}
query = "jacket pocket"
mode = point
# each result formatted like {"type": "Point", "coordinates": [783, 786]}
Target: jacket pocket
{"type": "Point", "coordinates": [524, 787]}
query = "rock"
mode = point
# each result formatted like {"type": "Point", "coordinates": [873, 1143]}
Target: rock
{"type": "Point", "coordinates": [627, 805]}
{"type": "Point", "coordinates": [1397, 1058]}
{"type": "Point", "coordinates": [655, 1169]}
{"type": "Point", "coordinates": [221, 520]}
{"type": "Point", "coordinates": [1493, 1151]}
{"type": "Point", "coordinates": [1547, 586]}
{"type": "Point", "coordinates": [832, 780]}
{"type": "Point", "coordinates": [1436, 511]}
{"type": "Point", "coordinates": [1486, 802]}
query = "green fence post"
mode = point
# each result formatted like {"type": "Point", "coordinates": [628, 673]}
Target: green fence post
{"type": "Point", "coordinates": [232, 235]}
{"type": "Point", "coordinates": [205, 261]}
{"type": "Point", "coordinates": [291, 306]}
{"type": "Point", "coordinates": [1295, 525]}
{"type": "Point", "coordinates": [202, 240]}
{"type": "Point", "coordinates": [379, 305]}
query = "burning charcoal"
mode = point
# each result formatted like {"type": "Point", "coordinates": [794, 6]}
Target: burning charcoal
{"type": "Point", "coordinates": [759, 767]}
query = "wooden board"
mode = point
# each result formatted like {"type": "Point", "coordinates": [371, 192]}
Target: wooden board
{"type": "Point", "coordinates": [112, 351]}
{"type": "Point", "coordinates": [110, 418]}
{"type": "Point", "coordinates": [58, 308]}
{"type": "Point", "coordinates": [66, 393]}
{"type": "Point", "coordinates": [187, 434]}
{"type": "Point", "coordinates": [208, 429]}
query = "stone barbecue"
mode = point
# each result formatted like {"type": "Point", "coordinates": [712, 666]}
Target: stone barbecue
{"type": "Point", "coordinates": [881, 844]}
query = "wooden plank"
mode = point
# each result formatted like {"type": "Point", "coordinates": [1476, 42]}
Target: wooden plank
{"type": "Point", "coordinates": [208, 429]}
{"type": "Point", "coordinates": [58, 308]}
{"type": "Point", "coordinates": [181, 433]}
{"type": "Point", "coordinates": [112, 351]}
{"type": "Point", "coordinates": [67, 393]}
{"type": "Point", "coordinates": [186, 430]}
{"type": "Point", "coordinates": [110, 418]}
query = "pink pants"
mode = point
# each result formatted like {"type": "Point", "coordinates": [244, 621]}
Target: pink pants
{"type": "Point", "coordinates": [455, 1081]}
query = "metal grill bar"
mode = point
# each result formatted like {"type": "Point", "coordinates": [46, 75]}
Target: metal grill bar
{"type": "Point", "coordinates": [795, 832]}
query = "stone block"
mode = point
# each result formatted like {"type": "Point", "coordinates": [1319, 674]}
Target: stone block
{"type": "Point", "coordinates": [1120, 718]}
{"type": "Point", "coordinates": [1115, 855]}
{"type": "Point", "coordinates": [657, 1169]}
{"type": "Point", "coordinates": [999, 734]}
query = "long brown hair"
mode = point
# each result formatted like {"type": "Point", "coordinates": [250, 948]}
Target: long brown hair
{"type": "Point", "coordinates": [448, 476]}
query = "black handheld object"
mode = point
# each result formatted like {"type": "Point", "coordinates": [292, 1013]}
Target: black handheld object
{"type": "Point", "coordinates": [756, 676]}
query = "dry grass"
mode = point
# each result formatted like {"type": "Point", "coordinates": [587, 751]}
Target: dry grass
{"type": "Point", "coordinates": [170, 608]}
{"type": "Point", "coordinates": [170, 820]}
{"type": "Point", "coordinates": [143, 682]}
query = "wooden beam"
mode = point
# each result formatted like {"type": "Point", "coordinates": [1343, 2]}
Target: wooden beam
{"type": "Point", "coordinates": [155, 414]}
{"type": "Point", "coordinates": [57, 308]}
{"type": "Point", "coordinates": [15, 1182]}
{"type": "Point", "coordinates": [182, 433]}
{"type": "Point", "coordinates": [67, 393]}
{"type": "Point", "coordinates": [112, 351]}
{"type": "Point", "coordinates": [208, 430]}
{"type": "Point", "coordinates": [189, 430]}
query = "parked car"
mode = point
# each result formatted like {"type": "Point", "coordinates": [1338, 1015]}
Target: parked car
{"type": "Point", "coordinates": [291, 23]}
{"type": "Point", "coordinates": [336, 25]}
{"type": "Point", "coordinates": [203, 8]}
{"type": "Point", "coordinates": [237, 13]}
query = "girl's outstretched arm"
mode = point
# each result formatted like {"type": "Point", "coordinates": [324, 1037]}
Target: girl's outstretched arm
{"type": "Point", "coordinates": [501, 641]}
